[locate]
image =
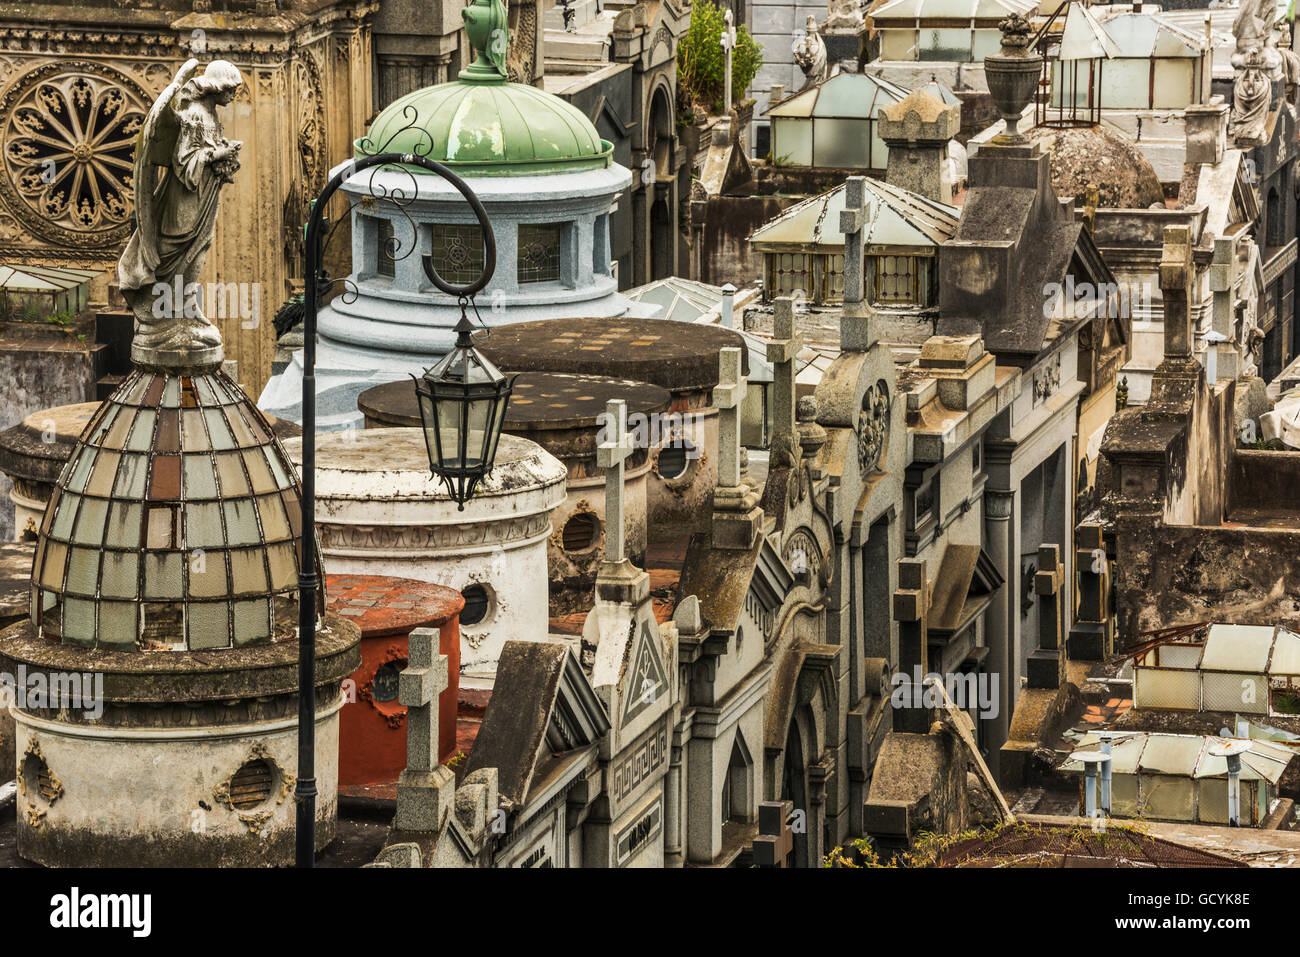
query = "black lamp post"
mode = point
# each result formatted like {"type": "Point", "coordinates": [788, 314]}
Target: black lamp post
{"type": "Point", "coordinates": [468, 412]}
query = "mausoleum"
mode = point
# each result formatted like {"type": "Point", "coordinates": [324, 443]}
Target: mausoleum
{"type": "Point", "coordinates": [548, 183]}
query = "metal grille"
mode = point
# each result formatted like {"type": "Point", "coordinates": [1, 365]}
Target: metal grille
{"type": "Point", "coordinates": [1167, 689]}
{"type": "Point", "coordinates": [251, 785]}
{"type": "Point", "coordinates": [1222, 691]}
{"type": "Point", "coordinates": [788, 272]}
{"type": "Point", "coordinates": [580, 532]}
{"type": "Point", "coordinates": [896, 279]}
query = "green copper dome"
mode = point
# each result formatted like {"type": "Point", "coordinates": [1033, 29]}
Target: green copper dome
{"type": "Point", "coordinates": [483, 125]}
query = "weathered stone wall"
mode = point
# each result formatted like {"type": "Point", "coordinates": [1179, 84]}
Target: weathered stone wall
{"type": "Point", "coordinates": [1168, 575]}
{"type": "Point", "coordinates": [39, 373]}
{"type": "Point", "coordinates": [1260, 479]}
{"type": "Point", "coordinates": [729, 221]}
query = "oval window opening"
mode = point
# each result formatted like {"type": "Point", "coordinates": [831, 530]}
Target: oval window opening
{"type": "Point", "coordinates": [476, 605]}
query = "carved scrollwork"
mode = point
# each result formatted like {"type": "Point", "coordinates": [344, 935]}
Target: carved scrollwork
{"type": "Point", "coordinates": [873, 426]}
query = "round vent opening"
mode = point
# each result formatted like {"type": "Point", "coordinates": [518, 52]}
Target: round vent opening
{"type": "Point", "coordinates": [674, 460]}
{"type": "Point", "coordinates": [251, 785]}
{"type": "Point", "coordinates": [387, 676]}
{"type": "Point", "coordinates": [581, 532]}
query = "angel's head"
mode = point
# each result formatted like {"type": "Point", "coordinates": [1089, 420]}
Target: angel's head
{"type": "Point", "coordinates": [220, 80]}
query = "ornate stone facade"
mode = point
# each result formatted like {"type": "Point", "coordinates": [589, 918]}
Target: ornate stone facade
{"type": "Point", "coordinates": [74, 83]}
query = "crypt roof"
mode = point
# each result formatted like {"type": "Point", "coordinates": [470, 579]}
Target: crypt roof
{"type": "Point", "coordinates": [841, 96]}
{"type": "Point", "coordinates": [1078, 156]}
{"type": "Point", "coordinates": [895, 217]}
{"type": "Point", "coordinates": [949, 9]}
{"type": "Point", "coordinates": [483, 125]}
{"type": "Point", "coordinates": [175, 524]}
{"type": "Point", "coordinates": [542, 708]}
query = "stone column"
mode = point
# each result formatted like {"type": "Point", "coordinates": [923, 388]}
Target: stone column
{"type": "Point", "coordinates": [1047, 661]}
{"type": "Point", "coordinates": [781, 352]}
{"type": "Point", "coordinates": [736, 515]}
{"type": "Point", "coordinates": [1177, 277]}
{"type": "Point", "coordinates": [611, 455]}
{"type": "Point", "coordinates": [999, 632]}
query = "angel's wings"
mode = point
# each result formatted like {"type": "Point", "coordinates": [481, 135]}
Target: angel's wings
{"type": "Point", "coordinates": [154, 147]}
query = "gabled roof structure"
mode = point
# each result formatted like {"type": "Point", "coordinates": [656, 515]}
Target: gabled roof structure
{"type": "Point", "coordinates": [897, 217]}
{"type": "Point", "coordinates": [842, 96]}
{"type": "Point", "coordinates": [952, 9]}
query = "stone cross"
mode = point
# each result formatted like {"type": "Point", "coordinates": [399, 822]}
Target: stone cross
{"type": "Point", "coordinates": [1091, 572]}
{"type": "Point", "coordinates": [1222, 285]}
{"type": "Point", "coordinates": [911, 611]}
{"type": "Point", "coordinates": [781, 352]}
{"type": "Point", "coordinates": [856, 332]}
{"type": "Point", "coordinates": [1047, 662]}
{"type": "Point", "coordinates": [425, 791]}
{"type": "Point", "coordinates": [1177, 276]}
{"type": "Point", "coordinates": [611, 455]}
{"type": "Point", "coordinates": [774, 840]}
{"type": "Point", "coordinates": [728, 396]}
{"type": "Point", "coordinates": [728, 44]}
{"type": "Point", "coordinates": [418, 687]}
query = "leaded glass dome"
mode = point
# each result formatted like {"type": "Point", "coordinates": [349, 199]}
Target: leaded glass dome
{"type": "Point", "coordinates": [176, 524]}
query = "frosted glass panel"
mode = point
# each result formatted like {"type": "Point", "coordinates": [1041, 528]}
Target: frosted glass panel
{"type": "Point", "coordinates": [938, 44]}
{"type": "Point", "coordinates": [844, 143]}
{"type": "Point", "coordinates": [792, 142]}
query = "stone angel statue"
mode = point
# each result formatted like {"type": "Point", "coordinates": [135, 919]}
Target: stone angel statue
{"type": "Point", "coordinates": [182, 161]}
{"type": "Point", "coordinates": [810, 54]}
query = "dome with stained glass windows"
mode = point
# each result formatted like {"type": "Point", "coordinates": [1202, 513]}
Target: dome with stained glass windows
{"type": "Point", "coordinates": [175, 524]}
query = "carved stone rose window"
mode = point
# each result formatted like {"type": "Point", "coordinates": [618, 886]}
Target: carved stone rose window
{"type": "Point", "coordinates": [69, 133]}
{"type": "Point", "coordinates": [873, 426]}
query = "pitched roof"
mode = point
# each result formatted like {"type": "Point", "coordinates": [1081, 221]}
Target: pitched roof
{"type": "Point", "coordinates": [841, 96]}
{"type": "Point", "coordinates": [43, 278]}
{"type": "Point", "coordinates": [964, 9]}
{"type": "Point", "coordinates": [1143, 35]}
{"type": "Point", "coordinates": [1084, 38]}
{"type": "Point", "coordinates": [542, 705]}
{"type": "Point", "coordinates": [895, 217]}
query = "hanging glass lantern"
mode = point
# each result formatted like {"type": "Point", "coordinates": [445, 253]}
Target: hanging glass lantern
{"type": "Point", "coordinates": [463, 401]}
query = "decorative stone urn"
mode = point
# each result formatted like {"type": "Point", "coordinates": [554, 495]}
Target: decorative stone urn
{"type": "Point", "coordinates": [1012, 75]}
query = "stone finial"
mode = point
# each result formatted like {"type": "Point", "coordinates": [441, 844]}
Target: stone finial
{"type": "Point", "coordinates": [917, 130]}
{"type": "Point", "coordinates": [812, 436]}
